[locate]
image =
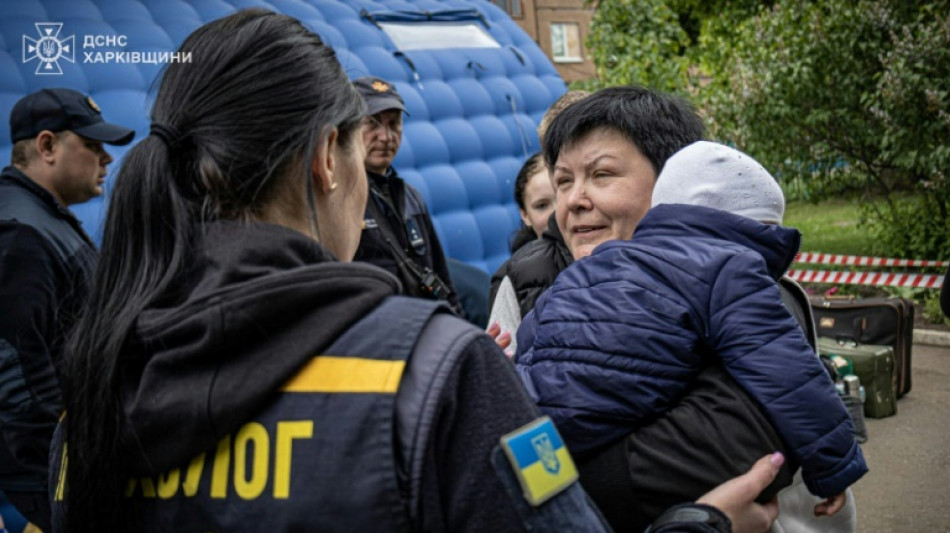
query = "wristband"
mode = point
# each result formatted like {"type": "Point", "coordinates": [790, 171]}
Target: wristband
{"type": "Point", "coordinates": [696, 517]}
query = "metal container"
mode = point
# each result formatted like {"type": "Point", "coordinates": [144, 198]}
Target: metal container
{"type": "Point", "coordinates": [852, 386]}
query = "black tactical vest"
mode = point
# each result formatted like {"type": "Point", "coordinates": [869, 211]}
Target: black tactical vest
{"type": "Point", "coordinates": [321, 457]}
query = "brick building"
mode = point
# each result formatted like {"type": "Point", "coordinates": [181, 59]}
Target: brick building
{"type": "Point", "coordinates": [560, 28]}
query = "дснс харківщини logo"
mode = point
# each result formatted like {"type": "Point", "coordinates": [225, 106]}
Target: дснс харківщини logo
{"type": "Point", "coordinates": [49, 48]}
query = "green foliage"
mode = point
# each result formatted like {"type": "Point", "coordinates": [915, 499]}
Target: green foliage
{"type": "Point", "coordinates": [931, 309]}
{"type": "Point", "coordinates": [820, 183]}
{"type": "Point", "coordinates": [914, 228]}
{"type": "Point", "coordinates": [842, 96]}
{"type": "Point", "coordinates": [655, 42]}
{"type": "Point", "coordinates": [913, 99]}
{"type": "Point", "coordinates": [638, 41]}
{"type": "Point", "coordinates": [835, 97]}
{"type": "Point", "coordinates": [790, 89]}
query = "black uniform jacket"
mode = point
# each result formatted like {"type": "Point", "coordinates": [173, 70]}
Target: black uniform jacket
{"type": "Point", "coordinates": [46, 260]}
{"type": "Point", "coordinates": [396, 211]}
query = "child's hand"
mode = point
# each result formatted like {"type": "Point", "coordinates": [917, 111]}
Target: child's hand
{"type": "Point", "coordinates": [831, 505]}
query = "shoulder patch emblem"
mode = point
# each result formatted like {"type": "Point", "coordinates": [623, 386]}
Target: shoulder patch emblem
{"type": "Point", "coordinates": [541, 461]}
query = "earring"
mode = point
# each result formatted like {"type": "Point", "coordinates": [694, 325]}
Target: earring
{"type": "Point", "coordinates": [333, 186]}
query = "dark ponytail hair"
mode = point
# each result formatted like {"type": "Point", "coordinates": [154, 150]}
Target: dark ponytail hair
{"type": "Point", "coordinates": [229, 130]}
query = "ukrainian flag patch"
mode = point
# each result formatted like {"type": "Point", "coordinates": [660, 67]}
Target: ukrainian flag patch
{"type": "Point", "coordinates": [541, 461]}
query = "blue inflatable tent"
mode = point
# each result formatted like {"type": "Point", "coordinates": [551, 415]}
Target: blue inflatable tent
{"type": "Point", "coordinates": [475, 86]}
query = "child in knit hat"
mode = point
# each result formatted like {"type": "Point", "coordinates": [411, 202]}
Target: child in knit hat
{"type": "Point", "coordinates": [713, 175]}
{"type": "Point", "coordinates": [620, 336]}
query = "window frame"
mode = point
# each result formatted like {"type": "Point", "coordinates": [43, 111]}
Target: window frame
{"type": "Point", "coordinates": [565, 58]}
{"type": "Point", "coordinates": [509, 7]}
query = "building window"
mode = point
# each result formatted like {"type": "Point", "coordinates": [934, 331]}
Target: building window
{"type": "Point", "coordinates": [566, 42]}
{"type": "Point", "coordinates": [512, 7]}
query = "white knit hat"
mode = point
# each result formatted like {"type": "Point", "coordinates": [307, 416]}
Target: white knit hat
{"type": "Point", "coordinates": [713, 175]}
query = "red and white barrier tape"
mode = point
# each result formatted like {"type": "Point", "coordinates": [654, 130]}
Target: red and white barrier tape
{"type": "Point", "coordinates": [927, 281]}
{"type": "Point", "coordinates": [813, 258]}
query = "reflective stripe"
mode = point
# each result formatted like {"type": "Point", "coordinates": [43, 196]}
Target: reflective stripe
{"type": "Point", "coordinates": [327, 373]}
{"type": "Point", "coordinates": [61, 483]}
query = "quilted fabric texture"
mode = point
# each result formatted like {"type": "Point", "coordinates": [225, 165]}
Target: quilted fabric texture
{"type": "Point", "coordinates": [472, 111]}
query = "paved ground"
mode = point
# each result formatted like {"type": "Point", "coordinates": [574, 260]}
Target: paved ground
{"type": "Point", "coordinates": [908, 487]}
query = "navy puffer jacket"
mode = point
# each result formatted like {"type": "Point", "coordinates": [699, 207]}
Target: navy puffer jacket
{"type": "Point", "coordinates": [620, 335]}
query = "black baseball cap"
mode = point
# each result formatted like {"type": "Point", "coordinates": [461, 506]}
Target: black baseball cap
{"type": "Point", "coordinates": [63, 109]}
{"type": "Point", "coordinates": [379, 95]}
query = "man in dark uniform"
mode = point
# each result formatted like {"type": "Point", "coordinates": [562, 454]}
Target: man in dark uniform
{"type": "Point", "coordinates": [398, 234]}
{"type": "Point", "coordinates": [46, 260]}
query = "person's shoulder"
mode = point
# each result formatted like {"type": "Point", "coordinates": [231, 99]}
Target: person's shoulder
{"type": "Point", "coordinates": [533, 251]}
{"type": "Point", "coordinates": [18, 202]}
{"type": "Point", "coordinates": [449, 342]}
{"type": "Point", "coordinates": [523, 236]}
{"type": "Point", "coordinates": [534, 265]}
{"type": "Point", "coordinates": [686, 248]}
{"type": "Point", "coordinates": [736, 257]}
{"type": "Point", "coordinates": [28, 247]}
{"type": "Point", "coordinates": [444, 344]}
{"type": "Point", "coordinates": [443, 333]}
{"type": "Point", "coordinates": [22, 237]}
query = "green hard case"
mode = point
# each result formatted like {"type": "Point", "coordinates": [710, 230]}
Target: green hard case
{"type": "Point", "coordinates": [874, 366]}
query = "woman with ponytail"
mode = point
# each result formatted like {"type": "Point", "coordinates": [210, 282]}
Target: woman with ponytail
{"type": "Point", "coordinates": [234, 372]}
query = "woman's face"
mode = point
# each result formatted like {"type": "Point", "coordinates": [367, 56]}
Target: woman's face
{"type": "Point", "coordinates": [538, 201]}
{"type": "Point", "coordinates": [340, 217]}
{"type": "Point", "coordinates": [603, 188]}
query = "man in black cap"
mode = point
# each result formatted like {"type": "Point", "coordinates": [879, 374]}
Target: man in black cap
{"type": "Point", "coordinates": [46, 262]}
{"type": "Point", "coordinates": [398, 234]}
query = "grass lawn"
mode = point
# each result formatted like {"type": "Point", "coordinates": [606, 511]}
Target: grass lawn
{"type": "Point", "coordinates": [830, 227]}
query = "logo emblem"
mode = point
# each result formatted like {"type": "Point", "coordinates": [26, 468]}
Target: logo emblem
{"type": "Point", "coordinates": [49, 48]}
{"type": "Point", "coordinates": [92, 104]}
{"type": "Point", "coordinates": [544, 448]}
{"type": "Point", "coordinates": [380, 87]}
{"type": "Point", "coordinates": [826, 322]}
{"type": "Point", "coordinates": [540, 460]}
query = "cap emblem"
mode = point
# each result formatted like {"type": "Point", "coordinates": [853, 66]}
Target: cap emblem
{"type": "Point", "coordinates": [380, 87]}
{"type": "Point", "coordinates": [92, 104]}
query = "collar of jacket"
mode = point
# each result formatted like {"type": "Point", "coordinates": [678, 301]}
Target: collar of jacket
{"type": "Point", "coordinates": [15, 176]}
{"type": "Point", "coordinates": [778, 245]}
{"type": "Point", "coordinates": [553, 232]}
{"type": "Point", "coordinates": [385, 177]}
